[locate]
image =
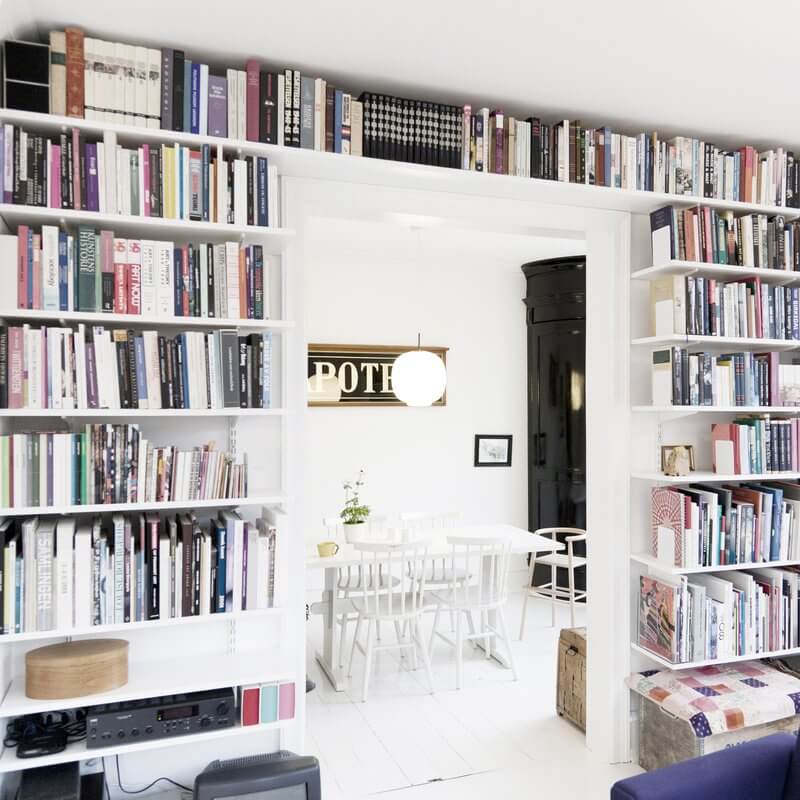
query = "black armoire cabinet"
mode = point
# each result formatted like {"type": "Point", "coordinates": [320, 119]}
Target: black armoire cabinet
{"type": "Point", "coordinates": [556, 320]}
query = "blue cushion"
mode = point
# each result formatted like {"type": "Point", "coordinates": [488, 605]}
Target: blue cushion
{"type": "Point", "coordinates": [792, 790]}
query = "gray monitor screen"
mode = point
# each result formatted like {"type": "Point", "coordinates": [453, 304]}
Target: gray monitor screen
{"type": "Point", "coordinates": [297, 792]}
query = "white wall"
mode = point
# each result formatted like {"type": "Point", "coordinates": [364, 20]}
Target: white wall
{"type": "Point", "coordinates": [380, 283]}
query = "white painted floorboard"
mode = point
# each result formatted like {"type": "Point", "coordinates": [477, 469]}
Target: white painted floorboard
{"type": "Point", "coordinates": [496, 738]}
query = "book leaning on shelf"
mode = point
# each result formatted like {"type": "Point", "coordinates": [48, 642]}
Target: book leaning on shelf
{"type": "Point", "coordinates": [169, 181]}
{"type": "Point", "coordinates": [683, 378]}
{"type": "Point", "coordinates": [94, 367]}
{"type": "Point", "coordinates": [106, 464]}
{"type": "Point", "coordinates": [709, 525]}
{"type": "Point", "coordinates": [716, 617]}
{"type": "Point", "coordinates": [59, 574]}
{"type": "Point", "coordinates": [703, 234]}
{"type": "Point", "coordinates": [697, 306]}
{"type": "Point", "coordinates": [94, 271]}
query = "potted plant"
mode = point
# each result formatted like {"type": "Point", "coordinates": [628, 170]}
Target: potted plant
{"type": "Point", "coordinates": [354, 514]}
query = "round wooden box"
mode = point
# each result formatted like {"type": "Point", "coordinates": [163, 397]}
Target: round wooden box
{"type": "Point", "coordinates": [75, 669]}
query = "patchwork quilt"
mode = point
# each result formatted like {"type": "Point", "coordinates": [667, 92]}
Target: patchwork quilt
{"type": "Point", "coordinates": [721, 698]}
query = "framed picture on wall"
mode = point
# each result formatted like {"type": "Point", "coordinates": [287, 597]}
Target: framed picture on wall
{"type": "Point", "coordinates": [492, 450]}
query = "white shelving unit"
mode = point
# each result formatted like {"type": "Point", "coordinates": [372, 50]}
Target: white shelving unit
{"type": "Point", "coordinates": [713, 342]}
{"type": "Point", "coordinates": [722, 271]}
{"type": "Point", "coordinates": [175, 656]}
{"type": "Point", "coordinates": [653, 562]}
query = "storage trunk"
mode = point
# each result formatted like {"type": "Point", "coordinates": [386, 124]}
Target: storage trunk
{"type": "Point", "coordinates": [571, 686]}
{"type": "Point", "coordinates": [665, 739]}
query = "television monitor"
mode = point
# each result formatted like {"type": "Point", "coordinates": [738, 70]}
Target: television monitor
{"type": "Point", "coordinates": [274, 776]}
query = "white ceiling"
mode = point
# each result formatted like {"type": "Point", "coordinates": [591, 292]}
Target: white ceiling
{"type": "Point", "coordinates": [724, 69]}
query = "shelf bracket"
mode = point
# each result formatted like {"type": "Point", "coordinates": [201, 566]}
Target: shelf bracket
{"type": "Point", "coordinates": [232, 638]}
{"type": "Point", "coordinates": [233, 436]}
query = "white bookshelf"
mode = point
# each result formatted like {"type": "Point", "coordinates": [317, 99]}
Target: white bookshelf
{"type": "Point", "coordinates": [713, 477]}
{"type": "Point", "coordinates": [653, 563]}
{"type": "Point", "coordinates": [714, 342]}
{"type": "Point", "coordinates": [227, 649]}
{"type": "Point", "coordinates": [789, 411]}
{"type": "Point", "coordinates": [662, 662]}
{"type": "Point", "coordinates": [722, 271]}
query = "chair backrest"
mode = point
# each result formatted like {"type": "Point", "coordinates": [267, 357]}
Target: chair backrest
{"type": "Point", "coordinates": [485, 561]}
{"type": "Point", "coordinates": [428, 519]}
{"type": "Point", "coordinates": [333, 528]}
{"type": "Point", "coordinates": [396, 585]}
{"type": "Point", "coordinates": [551, 533]}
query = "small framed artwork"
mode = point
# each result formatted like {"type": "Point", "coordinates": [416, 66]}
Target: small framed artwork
{"type": "Point", "coordinates": [492, 450]}
{"type": "Point", "coordinates": [677, 459]}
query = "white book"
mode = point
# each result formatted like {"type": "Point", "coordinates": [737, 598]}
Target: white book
{"type": "Point", "coordinates": [233, 129]}
{"type": "Point", "coordinates": [33, 343]}
{"type": "Point", "coordinates": [235, 537]}
{"type": "Point", "coordinates": [221, 283]}
{"type": "Point", "coordinates": [241, 104]}
{"type": "Point", "coordinates": [140, 495]}
{"type": "Point", "coordinates": [203, 281]}
{"type": "Point", "coordinates": [140, 108]}
{"type": "Point", "coordinates": [8, 159]}
{"type": "Point", "coordinates": [232, 279]}
{"type": "Point", "coordinates": [177, 594]}
{"type": "Point", "coordinates": [153, 88]}
{"type": "Point", "coordinates": [165, 301]}
{"type": "Point", "coordinates": [81, 394]}
{"type": "Point", "coordinates": [148, 278]}
{"type": "Point", "coordinates": [129, 67]}
{"type": "Point", "coordinates": [49, 260]}
{"type": "Point", "coordinates": [64, 582]}
{"type": "Point", "coordinates": [70, 393]}
{"type": "Point", "coordinates": [152, 370]}
{"type": "Point", "coordinates": [45, 581]}
{"type": "Point", "coordinates": [282, 107]}
{"type": "Point", "coordinates": [123, 182]}
{"type": "Point", "coordinates": [48, 171]}
{"type": "Point", "coordinates": [277, 522]}
{"type": "Point", "coordinates": [164, 572]}
{"type": "Point", "coordinates": [261, 583]}
{"type": "Point", "coordinates": [239, 192]}
{"type": "Point", "coordinates": [101, 180]}
{"type": "Point", "coordinates": [10, 598]}
{"type": "Point", "coordinates": [253, 570]}
{"type": "Point", "coordinates": [118, 60]}
{"type": "Point", "coordinates": [82, 573]}
{"type": "Point", "coordinates": [203, 100]}
{"type": "Point", "coordinates": [118, 521]}
{"type": "Point", "coordinates": [104, 80]}
{"type": "Point", "coordinates": [273, 209]}
{"type": "Point", "coordinates": [319, 120]}
{"type": "Point", "coordinates": [29, 553]}
{"type": "Point", "coordinates": [53, 344]}
{"type": "Point", "coordinates": [89, 98]}
{"type": "Point", "coordinates": [109, 150]}
{"type": "Point", "coordinates": [187, 184]}
{"type": "Point", "coordinates": [139, 211]}
{"type": "Point", "coordinates": [213, 374]}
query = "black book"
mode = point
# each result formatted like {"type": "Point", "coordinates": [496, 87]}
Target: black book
{"type": "Point", "coordinates": [197, 543]}
{"type": "Point", "coordinates": [458, 137]}
{"type": "Point", "coordinates": [211, 288]}
{"type": "Point", "coordinates": [3, 370]}
{"type": "Point", "coordinates": [207, 403]}
{"type": "Point", "coordinates": [155, 182]}
{"type": "Point", "coordinates": [172, 372]}
{"type": "Point", "coordinates": [123, 376]}
{"type": "Point", "coordinates": [18, 190]}
{"type": "Point", "coordinates": [186, 527]}
{"type": "Point", "coordinates": [296, 108]}
{"type": "Point", "coordinates": [251, 210]}
{"type": "Point", "coordinates": [229, 358]}
{"type": "Point", "coordinates": [181, 386]}
{"type": "Point", "coordinates": [134, 380]}
{"type": "Point", "coordinates": [256, 345]}
{"type": "Point", "coordinates": [107, 291]}
{"type": "Point", "coordinates": [268, 99]}
{"type": "Point", "coordinates": [390, 127]}
{"type": "Point", "coordinates": [64, 169]}
{"type": "Point", "coordinates": [37, 179]}
{"type": "Point", "coordinates": [287, 108]}
{"type": "Point", "coordinates": [243, 372]}
{"type": "Point", "coordinates": [70, 195]}
{"type": "Point", "coordinates": [83, 166]}
{"type": "Point", "coordinates": [152, 531]}
{"type": "Point", "coordinates": [166, 395]}
{"type": "Point", "coordinates": [368, 118]}
{"type": "Point", "coordinates": [196, 286]}
{"type": "Point", "coordinates": [30, 188]}
{"type": "Point", "coordinates": [177, 90]}
{"type": "Point", "coordinates": [708, 170]}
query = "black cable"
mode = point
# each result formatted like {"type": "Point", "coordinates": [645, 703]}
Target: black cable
{"type": "Point", "coordinates": [149, 785]}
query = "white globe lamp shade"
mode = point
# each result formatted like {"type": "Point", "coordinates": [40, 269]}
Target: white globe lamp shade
{"type": "Point", "coordinates": [419, 378]}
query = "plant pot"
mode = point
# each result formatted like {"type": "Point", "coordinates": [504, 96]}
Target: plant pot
{"type": "Point", "coordinates": [355, 532]}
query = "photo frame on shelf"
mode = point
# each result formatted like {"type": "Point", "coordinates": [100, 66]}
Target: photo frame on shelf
{"type": "Point", "coordinates": [677, 459]}
{"type": "Point", "coordinates": [493, 450]}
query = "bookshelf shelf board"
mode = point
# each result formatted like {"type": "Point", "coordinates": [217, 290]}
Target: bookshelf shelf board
{"type": "Point", "coordinates": [156, 677]}
{"type": "Point", "coordinates": [79, 752]}
{"type": "Point", "coordinates": [713, 477]}
{"type": "Point", "coordinates": [715, 271]}
{"type": "Point", "coordinates": [686, 411]}
{"type": "Point", "coordinates": [652, 561]}
{"type": "Point", "coordinates": [113, 413]}
{"type": "Point", "coordinates": [708, 342]}
{"type": "Point", "coordinates": [100, 508]}
{"type": "Point", "coordinates": [305, 163]}
{"type": "Point", "coordinates": [138, 321]}
{"type": "Point", "coordinates": [274, 240]}
{"type": "Point", "coordinates": [172, 622]}
{"type": "Point", "coordinates": [711, 661]}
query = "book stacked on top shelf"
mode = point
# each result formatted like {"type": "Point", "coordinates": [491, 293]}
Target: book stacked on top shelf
{"type": "Point", "coordinates": [112, 464]}
{"type": "Point", "coordinates": [698, 306]}
{"type": "Point", "coordinates": [683, 378]}
{"type": "Point", "coordinates": [755, 445]}
{"type": "Point", "coordinates": [707, 525]}
{"type": "Point", "coordinates": [716, 617]}
{"type": "Point", "coordinates": [96, 271]}
{"type": "Point", "coordinates": [69, 171]}
{"type": "Point", "coordinates": [94, 367]}
{"type": "Point", "coordinates": [59, 574]}
{"type": "Point", "coordinates": [703, 234]}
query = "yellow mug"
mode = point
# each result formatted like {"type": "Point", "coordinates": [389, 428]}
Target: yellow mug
{"type": "Point", "coordinates": [327, 549]}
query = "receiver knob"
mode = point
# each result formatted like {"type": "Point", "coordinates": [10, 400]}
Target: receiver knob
{"type": "Point", "coordinates": [222, 709]}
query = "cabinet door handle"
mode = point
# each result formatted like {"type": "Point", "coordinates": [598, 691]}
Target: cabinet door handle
{"type": "Point", "coordinates": [542, 449]}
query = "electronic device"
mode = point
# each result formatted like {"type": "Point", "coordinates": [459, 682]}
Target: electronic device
{"type": "Point", "coordinates": [274, 776]}
{"type": "Point", "coordinates": [160, 717]}
{"type": "Point", "coordinates": [60, 782]}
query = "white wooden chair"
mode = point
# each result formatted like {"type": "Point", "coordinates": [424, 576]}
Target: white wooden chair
{"type": "Point", "coordinates": [550, 590]}
{"type": "Point", "coordinates": [400, 604]}
{"type": "Point", "coordinates": [351, 579]}
{"type": "Point", "coordinates": [484, 593]}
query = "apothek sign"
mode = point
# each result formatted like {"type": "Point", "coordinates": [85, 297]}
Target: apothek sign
{"type": "Point", "coordinates": [356, 374]}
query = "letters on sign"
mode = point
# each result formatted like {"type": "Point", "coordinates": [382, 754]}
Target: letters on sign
{"type": "Point", "coordinates": [355, 374]}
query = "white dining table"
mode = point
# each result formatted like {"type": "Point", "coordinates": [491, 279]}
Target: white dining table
{"type": "Point", "coordinates": [332, 605]}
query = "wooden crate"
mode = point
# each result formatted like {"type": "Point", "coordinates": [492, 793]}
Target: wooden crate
{"type": "Point", "coordinates": [665, 739]}
{"type": "Point", "coordinates": [571, 685]}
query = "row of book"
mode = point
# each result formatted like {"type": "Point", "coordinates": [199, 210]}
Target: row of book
{"type": "Point", "coordinates": [684, 378]}
{"type": "Point", "coordinates": [709, 525]}
{"type": "Point", "coordinates": [708, 617]}
{"type": "Point", "coordinates": [719, 237]}
{"type": "Point", "coordinates": [62, 573]}
{"type": "Point", "coordinates": [116, 82]}
{"type": "Point", "coordinates": [748, 308]}
{"type": "Point", "coordinates": [95, 367]}
{"type": "Point", "coordinates": [172, 181]}
{"type": "Point", "coordinates": [106, 464]}
{"type": "Point", "coordinates": [95, 271]}
{"type": "Point", "coordinates": [756, 444]}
